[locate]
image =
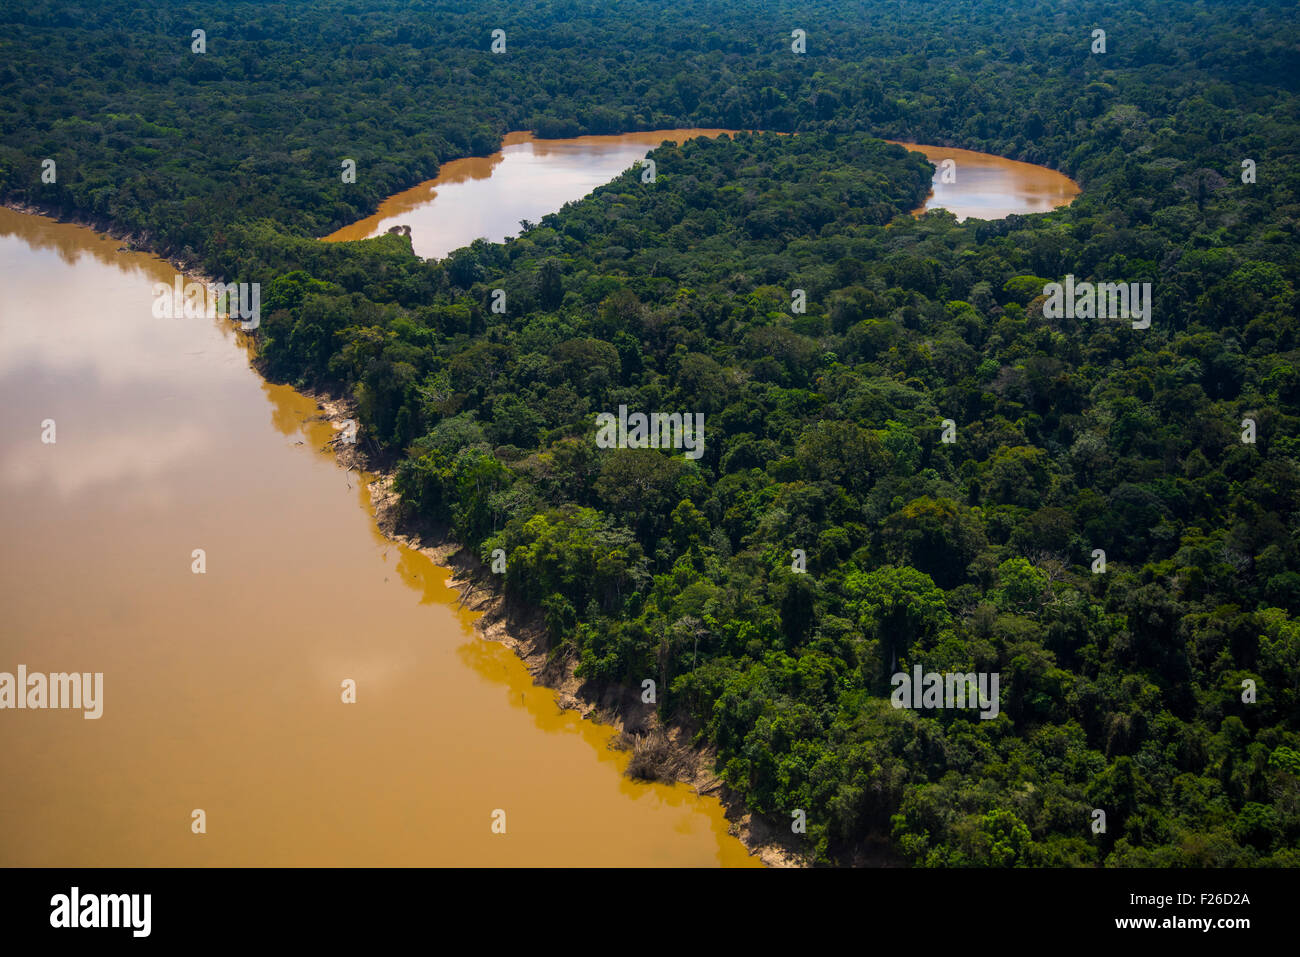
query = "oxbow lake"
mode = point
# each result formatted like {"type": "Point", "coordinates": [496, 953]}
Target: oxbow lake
{"type": "Point", "coordinates": [221, 690]}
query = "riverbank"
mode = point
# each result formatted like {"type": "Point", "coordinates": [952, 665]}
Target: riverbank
{"type": "Point", "coordinates": [131, 241]}
{"type": "Point", "coordinates": [664, 752]}
{"type": "Point", "coordinates": [636, 727]}
{"type": "Point", "coordinates": [660, 753]}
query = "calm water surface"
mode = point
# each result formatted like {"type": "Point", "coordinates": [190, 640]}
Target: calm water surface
{"type": "Point", "coordinates": [222, 690]}
{"type": "Point", "coordinates": [488, 196]}
{"type": "Point", "coordinates": [991, 187]}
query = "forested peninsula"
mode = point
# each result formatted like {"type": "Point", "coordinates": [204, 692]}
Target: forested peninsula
{"type": "Point", "coordinates": [945, 459]}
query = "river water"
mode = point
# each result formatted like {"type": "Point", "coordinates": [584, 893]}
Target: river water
{"type": "Point", "coordinates": [985, 186]}
{"type": "Point", "coordinates": [488, 196]}
{"type": "Point", "coordinates": [222, 690]}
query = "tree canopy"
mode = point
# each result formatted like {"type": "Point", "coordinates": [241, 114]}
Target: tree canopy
{"type": "Point", "coordinates": [1122, 675]}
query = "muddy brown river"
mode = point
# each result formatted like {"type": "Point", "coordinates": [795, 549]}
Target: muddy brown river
{"type": "Point", "coordinates": [983, 186]}
{"type": "Point", "coordinates": [488, 196]}
{"type": "Point", "coordinates": [222, 690]}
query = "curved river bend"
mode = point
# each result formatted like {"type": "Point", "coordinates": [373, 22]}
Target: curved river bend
{"type": "Point", "coordinates": [528, 178]}
{"type": "Point", "coordinates": [221, 690]}
{"type": "Point", "coordinates": [984, 186]}
{"type": "Point", "coordinates": [487, 196]}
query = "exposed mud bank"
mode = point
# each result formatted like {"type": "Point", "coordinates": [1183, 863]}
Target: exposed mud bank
{"type": "Point", "coordinates": [661, 751]}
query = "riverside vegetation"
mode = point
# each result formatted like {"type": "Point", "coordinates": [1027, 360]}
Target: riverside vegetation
{"type": "Point", "coordinates": [1123, 690]}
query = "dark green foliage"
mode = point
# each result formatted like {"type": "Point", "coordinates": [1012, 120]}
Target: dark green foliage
{"type": "Point", "coordinates": [1120, 691]}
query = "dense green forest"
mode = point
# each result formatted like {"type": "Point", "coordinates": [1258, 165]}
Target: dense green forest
{"type": "Point", "coordinates": [1121, 691]}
